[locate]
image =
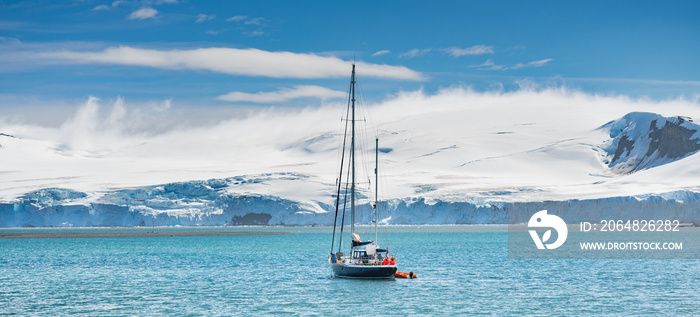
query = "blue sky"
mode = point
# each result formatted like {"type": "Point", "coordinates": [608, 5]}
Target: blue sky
{"type": "Point", "coordinates": [243, 53]}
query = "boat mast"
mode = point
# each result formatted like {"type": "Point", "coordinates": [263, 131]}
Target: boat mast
{"type": "Point", "coordinates": [376, 190]}
{"type": "Point", "coordinates": [352, 153]}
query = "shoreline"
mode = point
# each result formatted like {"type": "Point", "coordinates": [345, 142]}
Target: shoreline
{"type": "Point", "coordinates": [132, 234]}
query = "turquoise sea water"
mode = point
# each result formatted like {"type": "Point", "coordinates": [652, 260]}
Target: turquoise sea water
{"type": "Point", "coordinates": [462, 270]}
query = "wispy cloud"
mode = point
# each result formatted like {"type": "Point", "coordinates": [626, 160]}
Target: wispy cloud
{"type": "Point", "coordinates": [381, 53]}
{"type": "Point", "coordinates": [284, 94]}
{"type": "Point", "coordinates": [415, 53]}
{"type": "Point", "coordinates": [474, 50]}
{"type": "Point", "coordinates": [454, 51]}
{"type": "Point", "coordinates": [490, 65]}
{"type": "Point", "coordinates": [254, 21]}
{"type": "Point", "coordinates": [246, 20]}
{"type": "Point", "coordinates": [106, 7]}
{"type": "Point", "coordinates": [254, 33]}
{"type": "Point", "coordinates": [143, 13]}
{"type": "Point", "coordinates": [251, 26]}
{"type": "Point", "coordinates": [201, 18]}
{"type": "Point", "coordinates": [246, 62]}
{"type": "Point", "coordinates": [539, 63]}
{"type": "Point", "coordinates": [237, 18]}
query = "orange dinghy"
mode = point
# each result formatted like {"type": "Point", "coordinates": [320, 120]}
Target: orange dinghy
{"type": "Point", "coordinates": [405, 275]}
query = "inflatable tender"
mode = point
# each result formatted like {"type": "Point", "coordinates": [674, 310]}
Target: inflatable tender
{"type": "Point", "coordinates": [405, 275]}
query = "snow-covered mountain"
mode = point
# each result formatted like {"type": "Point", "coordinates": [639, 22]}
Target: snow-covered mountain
{"type": "Point", "coordinates": [458, 156]}
{"type": "Point", "coordinates": [646, 140]}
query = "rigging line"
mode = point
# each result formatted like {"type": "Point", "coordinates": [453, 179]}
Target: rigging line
{"type": "Point", "coordinates": [386, 193]}
{"type": "Point", "coordinates": [360, 151]}
{"type": "Point", "coordinates": [346, 118]}
{"type": "Point", "coordinates": [365, 166]}
{"type": "Point", "coordinates": [361, 145]}
{"type": "Point", "coordinates": [345, 203]}
{"type": "Point", "coordinates": [368, 114]}
{"type": "Point", "coordinates": [381, 190]}
{"type": "Point", "coordinates": [340, 181]}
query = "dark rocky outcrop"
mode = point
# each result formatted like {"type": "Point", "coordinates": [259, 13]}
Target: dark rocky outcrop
{"type": "Point", "coordinates": [641, 140]}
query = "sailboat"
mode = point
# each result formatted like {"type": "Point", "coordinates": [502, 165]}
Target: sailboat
{"type": "Point", "coordinates": [366, 259]}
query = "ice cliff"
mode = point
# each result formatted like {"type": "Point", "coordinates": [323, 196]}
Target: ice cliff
{"type": "Point", "coordinates": [208, 203]}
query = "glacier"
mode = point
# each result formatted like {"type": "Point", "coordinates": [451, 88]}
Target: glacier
{"type": "Point", "coordinates": [457, 157]}
{"type": "Point", "coordinates": [208, 203]}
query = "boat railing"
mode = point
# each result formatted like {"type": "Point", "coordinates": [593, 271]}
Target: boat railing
{"type": "Point", "coordinates": [362, 261]}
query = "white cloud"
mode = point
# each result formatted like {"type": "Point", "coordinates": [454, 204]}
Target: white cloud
{"type": "Point", "coordinates": [474, 50]}
{"type": "Point", "coordinates": [204, 17]}
{"type": "Point", "coordinates": [489, 65]}
{"type": "Point", "coordinates": [381, 53]}
{"type": "Point", "coordinates": [143, 13]}
{"type": "Point", "coordinates": [415, 53]}
{"type": "Point", "coordinates": [539, 63]}
{"type": "Point", "coordinates": [92, 125]}
{"type": "Point", "coordinates": [246, 62]}
{"type": "Point", "coordinates": [106, 7]}
{"type": "Point", "coordinates": [254, 33]}
{"type": "Point", "coordinates": [237, 18]}
{"type": "Point", "coordinates": [284, 94]}
{"type": "Point", "coordinates": [249, 24]}
{"type": "Point", "coordinates": [255, 21]}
